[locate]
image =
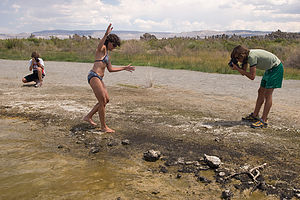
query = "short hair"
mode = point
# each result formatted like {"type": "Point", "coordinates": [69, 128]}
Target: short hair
{"type": "Point", "coordinates": [114, 39]}
{"type": "Point", "coordinates": [239, 50]}
{"type": "Point", "coordinates": [35, 54]}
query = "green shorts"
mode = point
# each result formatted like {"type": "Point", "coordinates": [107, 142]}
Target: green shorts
{"type": "Point", "coordinates": [273, 77]}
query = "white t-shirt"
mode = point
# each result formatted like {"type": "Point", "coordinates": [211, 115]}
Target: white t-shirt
{"type": "Point", "coordinates": [34, 68]}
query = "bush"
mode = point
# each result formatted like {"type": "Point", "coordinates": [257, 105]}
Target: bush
{"type": "Point", "coordinates": [293, 61]}
{"type": "Point", "coordinates": [13, 43]}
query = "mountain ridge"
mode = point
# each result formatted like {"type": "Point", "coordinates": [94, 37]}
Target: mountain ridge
{"type": "Point", "coordinates": [127, 35]}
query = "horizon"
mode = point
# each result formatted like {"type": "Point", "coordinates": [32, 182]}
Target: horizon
{"type": "Point", "coordinates": [139, 31]}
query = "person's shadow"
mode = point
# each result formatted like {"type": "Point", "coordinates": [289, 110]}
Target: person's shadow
{"type": "Point", "coordinates": [28, 85]}
{"type": "Point", "coordinates": [228, 123]}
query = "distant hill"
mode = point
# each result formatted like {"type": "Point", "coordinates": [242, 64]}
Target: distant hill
{"type": "Point", "coordinates": [127, 35]}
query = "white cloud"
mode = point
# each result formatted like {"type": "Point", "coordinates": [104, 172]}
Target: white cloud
{"type": "Point", "coordinates": [151, 15]}
{"type": "Point", "coordinates": [293, 26]}
{"type": "Point", "coordinates": [16, 7]}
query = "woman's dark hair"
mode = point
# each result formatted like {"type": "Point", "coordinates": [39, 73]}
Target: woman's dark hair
{"type": "Point", "coordinates": [240, 51]}
{"type": "Point", "coordinates": [114, 39]}
{"type": "Point", "coordinates": [35, 54]}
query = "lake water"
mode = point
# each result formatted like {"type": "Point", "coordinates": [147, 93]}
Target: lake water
{"type": "Point", "coordinates": [31, 169]}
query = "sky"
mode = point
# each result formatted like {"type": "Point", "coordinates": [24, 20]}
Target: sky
{"type": "Point", "coordinates": [18, 16]}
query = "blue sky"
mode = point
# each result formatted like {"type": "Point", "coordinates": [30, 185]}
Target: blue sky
{"type": "Point", "coordinates": [17, 16]}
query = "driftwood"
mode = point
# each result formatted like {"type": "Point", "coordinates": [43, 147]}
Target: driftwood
{"type": "Point", "coordinates": [253, 173]}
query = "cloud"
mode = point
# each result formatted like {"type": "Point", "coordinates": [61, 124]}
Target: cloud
{"type": "Point", "coordinates": [150, 15]}
{"type": "Point", "coordinates": [16, 7]}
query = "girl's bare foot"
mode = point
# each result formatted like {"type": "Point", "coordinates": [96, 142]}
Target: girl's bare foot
{"type": "Point", "coordinates": [89, 120]}
{"type": "Point", "coordinates": [107, 130]}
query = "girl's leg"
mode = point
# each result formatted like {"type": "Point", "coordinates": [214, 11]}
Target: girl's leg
{"type": "Point", "coordinates": [39, 70]}
{"type": "Point", "coordinates": [259, 101]}
{"type": "Point", "coordinates": [89, 116]}
{"type": "Point", "coordinates": [101, 95]}
{"type": "Point", "coordinates": [268, 103]}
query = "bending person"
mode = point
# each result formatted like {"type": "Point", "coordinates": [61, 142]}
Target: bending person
{"type": "Point", "coordinates": [95, 77]}
{"type": "Point", "coordinates": [272, 78]}
{"type": "Point", "coordinates": [36, 65]}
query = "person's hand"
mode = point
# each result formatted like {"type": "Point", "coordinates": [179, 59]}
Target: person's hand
{"type": "Point", "coordinates": [234, 67]}
{"type": "Point", "coordinates": [109, 29]}
{"type": "Point", "coordinates": [129, 68]}
{"type": "Point", "coordinates": [33, 61]}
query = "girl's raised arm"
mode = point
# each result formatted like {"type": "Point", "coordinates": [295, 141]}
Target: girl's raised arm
{"type": "Point", "coordinates": [102, 41]}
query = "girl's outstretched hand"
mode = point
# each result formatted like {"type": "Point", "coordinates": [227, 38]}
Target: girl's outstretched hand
{"type": "Point", "coordinates": [129, 68]}
{"type": "Point", "coordinates": [109, 29]}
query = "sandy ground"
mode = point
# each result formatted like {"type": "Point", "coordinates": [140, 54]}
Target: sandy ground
{"type": "Point", "coordinates": [181, 113]}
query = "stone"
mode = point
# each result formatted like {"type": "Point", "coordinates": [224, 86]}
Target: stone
{"type": "Point", "coordinates": [125, 142]}
{"type": "Point", "coordinates": [163, 169]}
{"type": "Point", "coordinates": [212, 161]}
{"type": "Point", "coordinates": [94, 150]}
{"type": "Point", "coordinates": [203, 179]}
{"type": "Point", "coordinates": [221, 174]}
{"type": "Point", "coordinates": [226, 194]}
{"type": "Point", "coordinates": [152, 155]}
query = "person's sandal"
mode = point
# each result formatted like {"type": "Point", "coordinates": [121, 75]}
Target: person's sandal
{"type": "Point", "coordinates": [250, 118]}
{"type": "Point", "coordinates": [259, 124]}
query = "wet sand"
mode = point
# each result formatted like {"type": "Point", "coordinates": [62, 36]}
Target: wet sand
{"type": "Point", "coordinates": [181, 113]}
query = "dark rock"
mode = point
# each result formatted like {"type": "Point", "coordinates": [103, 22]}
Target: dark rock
{"type": "Point", "coordinates": [227, 194]}
{"type": "Point", "coordinates": [178, 176]}
{"type": "Point", "coordinates": [163, 169]}
{"type": "Point", "coordinates": [94, 150]}
{"type": "Point", "coordinates": [152, 155]}
{"type": "Point", "coordinates": [60, 146]}
{"type": "Point", "coordinates": [112, 143]}
{"type": "Point", "coordinates": [188, 169]}
{"type": "Point", "coordinates": [155, 192]}
{"type": "Point", "coordinates": [125, 142]}
{"type": "Point", "coordinates": [171, 162]}
{"type": "Point", "coordinates": [203, 179]}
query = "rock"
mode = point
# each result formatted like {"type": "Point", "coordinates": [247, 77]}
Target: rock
{"type": "Point", "coordinates": [125, 142]}
{"type": "Point", "coordinates": [189, 162]}
{"type": "Point", "coordinates": [94, 150]}
{"type": "Point", "coordinates": [203, 179]}
{"type": "Point", "coordinates": [221, 174]}
{"type": "Point", "coordinates": [226, 194]}
{"type": "Point", "coordinates": [152, 155]}
{"type": "Point", "coordinates": [212, 161]}
{"type": "Point", "coordinates": [178, 176]}
{"type": "Point", "coordinates": [113, 143]}
{"type": "Point", "coordinates": [155, 192]}
{"type": "Point", "coordinates": [60, 146]}
{"type": "Point", "coordinates": [163, 169]}
{"type": "Point", "coordinates": [180, 160]}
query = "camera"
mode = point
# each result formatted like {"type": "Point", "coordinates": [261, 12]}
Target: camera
{"type": "Point", "coordinates": [233, 61]}
{"type": "Point", "coordinates": [37, 59]}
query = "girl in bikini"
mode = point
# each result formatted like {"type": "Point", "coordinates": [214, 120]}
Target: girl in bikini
{"type": "Point", "coordinates": [95, 76]}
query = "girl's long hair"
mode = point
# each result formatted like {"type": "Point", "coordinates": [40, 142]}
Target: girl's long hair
{"type": "Point", "coordinates": [114, 39]}
{"type": "Point", "coordinates": [240, 51]}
